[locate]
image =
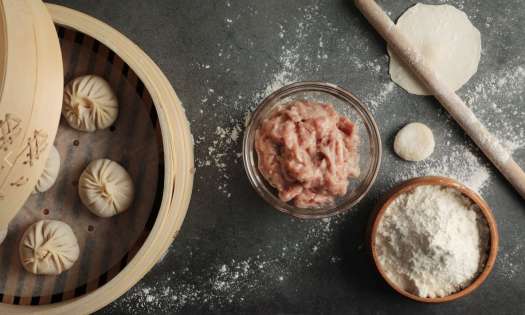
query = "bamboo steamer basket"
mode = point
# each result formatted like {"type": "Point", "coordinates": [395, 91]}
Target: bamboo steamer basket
{"type": "Point", "coordinates": [90, 36]}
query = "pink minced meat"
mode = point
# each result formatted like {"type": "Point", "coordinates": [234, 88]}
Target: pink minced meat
{"type": "Point", "coordinates": [308, 152]}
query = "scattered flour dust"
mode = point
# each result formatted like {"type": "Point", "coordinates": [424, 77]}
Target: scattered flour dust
{"type": "Point", "coordinates": [510, 262]}
{"type": "Point", "coordinates": [232, 282]}
{"type": "Point", "coordinates": [286, 75]}
{"type": "Point", "coordinates": [292, 62]}
{"type": "Point", "coordinates": [380, 98]}
{"type": "Point", "coordinates": [496, 100]}
{"type": "Point", "coordinates": [462, 163]}
{"type": "Point", "coordinates": [291, 65]}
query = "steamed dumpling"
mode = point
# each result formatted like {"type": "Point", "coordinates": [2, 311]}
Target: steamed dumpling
{"type": "Point", "coordinates": [50, 173]}
{"type": "Point", "coordinates": [89, 103]}
{"type": "Point", "coordinates": [48, 248]}
{"type": "Point", "coordinates": [105, 188]}
{"type": "Point", "coordinates": [3, 234]}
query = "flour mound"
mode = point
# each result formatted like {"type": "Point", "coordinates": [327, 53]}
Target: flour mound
{"type": "Point", "coordinates": [432, 241]}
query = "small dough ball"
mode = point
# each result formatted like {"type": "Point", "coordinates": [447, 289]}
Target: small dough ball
{"type": "Point", "coordinates": [414, 142]}
{"type": "Point", "coordinates": [48, 247]}
{"type": "Point", "coordinates": [3, 234]}
{"type": "Point", "coordinates": [105, 188]}
{"type": "Point", "coordinates": [50, 173]}
{"type": "Point", "coordinates": [89, 103]}
{"type": "Point", "coordinates": [446, 39]}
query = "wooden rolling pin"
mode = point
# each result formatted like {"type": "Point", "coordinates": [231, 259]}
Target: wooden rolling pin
{"type": "Point", "coordinates": [412, 58]}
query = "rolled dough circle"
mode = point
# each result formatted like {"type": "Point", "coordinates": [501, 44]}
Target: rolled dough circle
{"type": "Point", "coordinates": [446, 39]}
{"type": "Point", "coordinates": [414, 142]}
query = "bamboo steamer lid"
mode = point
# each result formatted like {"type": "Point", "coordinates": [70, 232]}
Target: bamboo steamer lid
{"type": "Point", "coordinates": [31, 87]}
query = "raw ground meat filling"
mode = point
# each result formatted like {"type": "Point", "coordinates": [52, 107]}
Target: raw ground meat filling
{"type": "Point", "coordinates": [308, 152]}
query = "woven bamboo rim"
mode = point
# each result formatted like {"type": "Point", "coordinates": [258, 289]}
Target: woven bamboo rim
{"type": "Point", "coordinates": [178, 163]}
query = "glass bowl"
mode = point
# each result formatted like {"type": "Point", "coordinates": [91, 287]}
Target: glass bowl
{"type": "Point", "coordinates": [345, 104]}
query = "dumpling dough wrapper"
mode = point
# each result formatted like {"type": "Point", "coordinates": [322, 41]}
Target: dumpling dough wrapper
{"type": "Point", "coordinates": [446, 38]}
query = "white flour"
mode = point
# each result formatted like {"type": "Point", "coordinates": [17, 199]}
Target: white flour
{"type": "Point", "coordinates": [232, 281]}
{"type": "Point", "coordinates": [462, 162]}
{"type": "Point", "coordinates": [497, 101]}
{"type": "Point", "coordinates": [432, 241]}
{"type": "Point", "coordinates": [222, 149]}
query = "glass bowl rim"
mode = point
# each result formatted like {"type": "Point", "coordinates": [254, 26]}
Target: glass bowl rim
{"type": "Point", "coordinates": [259, 183]}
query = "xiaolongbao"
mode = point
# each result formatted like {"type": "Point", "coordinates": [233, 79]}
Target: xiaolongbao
{"type": "Point", "coordinates": [105, 188]}
{"type": "Point", "coordinates": [3, 234]}
{"type": "Point", "coordinates": [48, 248]}
{"type": "Point", "coordinates": [50, 173]}
{"type": "Point", "coordinates": [89, 103]}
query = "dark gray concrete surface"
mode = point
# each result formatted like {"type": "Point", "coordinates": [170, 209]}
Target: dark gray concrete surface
{"type": "Point", "coordinates": [237, 255]}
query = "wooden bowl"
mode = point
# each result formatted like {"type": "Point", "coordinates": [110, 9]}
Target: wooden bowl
{"type": "Point", "coordinates": [99, 277]}
{"type": "Point", "coordinates": [485, 210]}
